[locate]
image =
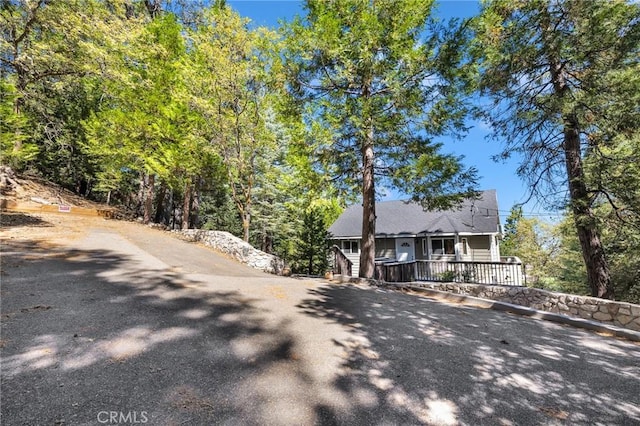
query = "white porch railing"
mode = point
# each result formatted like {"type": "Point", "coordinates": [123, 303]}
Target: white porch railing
{"type": "Point", "coordinates": [500, 273]}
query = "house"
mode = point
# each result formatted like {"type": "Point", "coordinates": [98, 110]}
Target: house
{"type": "Point", "coordinates": [405, 232]}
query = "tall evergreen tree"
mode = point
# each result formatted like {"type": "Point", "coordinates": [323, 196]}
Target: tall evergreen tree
{"type": "Point", "coordinates": [552, 69]}
{"type": "Point", "coordinates": [47, 66]}
{"type": "Point", "coordinates": [232, 71]}
{"type": "Point", "coordinates": [144, 123]}
{"type": "Point", "coordinates": [373, 75]}
{"type": "Point", "coordinates": [508, 246]}
{"type": "Point", "coordinates": [313, 242]}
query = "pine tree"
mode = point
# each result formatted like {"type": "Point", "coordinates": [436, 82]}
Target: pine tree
{"type": "Point", "coordinates": [552, 69]}
{"type": "Point", "coordinates": [380, 80]}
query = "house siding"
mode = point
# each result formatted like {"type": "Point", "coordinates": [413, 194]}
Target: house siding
{"type": "Point", "coordinates": [479, 249]}
{"type": "Point", "coordinates": [355, 259]}
{"type": "Point", "coordinates": [385, 248]}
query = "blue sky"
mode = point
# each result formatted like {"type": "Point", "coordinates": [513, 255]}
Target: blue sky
{"type": "Point", "coordinates": [474, 147]}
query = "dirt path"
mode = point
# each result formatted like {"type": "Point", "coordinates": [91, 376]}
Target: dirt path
{"type": "Point", "coordinates": [47, 228]}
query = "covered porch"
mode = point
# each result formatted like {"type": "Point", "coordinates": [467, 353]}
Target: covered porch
{"type": "Point", "coordinates": [509, 271]}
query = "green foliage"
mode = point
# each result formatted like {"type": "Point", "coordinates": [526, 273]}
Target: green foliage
{"type": "Point", "coordinates": [103, 96]}
{"type": "Point", "coordinates": [44, 54]}
{"type": "Point", "coordinates": [312, 243]}
{"type": "Point", "coordinates": [553, 254]}
{"type": "Point", "coordinates": [140, 118]}
{"type": "Point", "coordinates": [448, 276]}
{"type": "Point", "coordinates": [359, 68]}
{"type": "Point", "coordinates": [62, 157]}
{"type": "Point", "coordinates": [597, 46]}
{"type": "Point", "coordinates": [597, 43]}
{"type": "Point", "coordinates": [217, 212]}
{"type": "Point", "coordinates": [16, 148]}
{"type": "Point", "coordinates": [536, 243]}
{"type": "Point", "coordinates": [563, 77]}
{"type": "Point", "coordinates": [615, 171]}
{"type": "Point", "coordinates": [369, 78]}
{"type": "Point", "coordinates": [622, 243]}
{"type": "Point", "coordinates": [509, 244]}
{"type": "Point", "coordinates": [145, 122]}
{"type": "Point", "coordinates": [230, 81]}
{"type": "Point", "coordinates": [570, 276]}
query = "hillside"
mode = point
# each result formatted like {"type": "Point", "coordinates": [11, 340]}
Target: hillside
{"type": "Point", "coordinates": [29, 193]}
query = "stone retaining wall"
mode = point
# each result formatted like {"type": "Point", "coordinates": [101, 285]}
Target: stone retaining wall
{"type": "Point", "coordinates": [622, 314]}
{"type": "Point", "coordinates": [237, 249]}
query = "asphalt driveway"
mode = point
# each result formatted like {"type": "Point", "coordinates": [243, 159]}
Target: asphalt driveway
{"type": "Point", "coordinates": [130, 325]}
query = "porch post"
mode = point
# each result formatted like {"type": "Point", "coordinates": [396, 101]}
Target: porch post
{"type": "Point", "coordinates": [492, 248]}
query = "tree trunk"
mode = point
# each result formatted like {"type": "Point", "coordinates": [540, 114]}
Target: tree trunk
{"type": "Point", "coordinates": [148, 199]}
{"type": "Point", "coordinates": [368, 249]}
{"type": "Point", "coordinates": [153, 7]}
{"type": "Point", "coordinates": [141, 192]}
{"type": "Point", "coordinates": [162, 193]}
{"type": "Point", "coordinates": [195, 205]}
{"type": "Point", "coordinates": [598, 274]}
{"type": "Point", "coordinates": [268, 242]}
{"type": "Point", "coordinates": [186, 206]}
{"type": "Point", "coordinates": [18, 106]}
{"type": "Point", "coordinates": [266, 238]}
{"type": "Point", "coordinates": [246, 223]}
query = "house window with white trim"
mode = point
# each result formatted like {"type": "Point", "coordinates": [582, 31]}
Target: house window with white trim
{"type": "Point", "coordinates": [443, 246]}
{"type": "Point", "coordinates": [465, 246]}
{"type": "Point", "coordinates": [350, 247]}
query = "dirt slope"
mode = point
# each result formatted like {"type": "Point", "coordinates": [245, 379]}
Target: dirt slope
{"type": "Point", "coordinates": [34, 191]}
{"type": "Point", "coordinates": [30, 225]}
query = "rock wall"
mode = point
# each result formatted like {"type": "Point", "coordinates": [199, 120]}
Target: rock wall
{"type": "Point", "coordinates": [236, 248]}
{"type": "Point", "coordinates": [622, 314]}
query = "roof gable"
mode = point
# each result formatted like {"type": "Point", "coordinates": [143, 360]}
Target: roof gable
{"type": "Point", "coordinates": [409, 218]}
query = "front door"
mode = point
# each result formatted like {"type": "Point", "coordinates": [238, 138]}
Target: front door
{"type": "Point", "coordinates": [405, 250]}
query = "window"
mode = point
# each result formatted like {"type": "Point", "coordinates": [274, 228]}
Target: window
{"type": "Point", "coordinates": [443, 246]}
{"type": "Point", "coordinates": [350, 247]}
{"type": "Point", "coordinates": [465, 246]}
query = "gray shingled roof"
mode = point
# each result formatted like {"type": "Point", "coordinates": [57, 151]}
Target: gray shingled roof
{"type": "Point", "coordinates": [409, 218]}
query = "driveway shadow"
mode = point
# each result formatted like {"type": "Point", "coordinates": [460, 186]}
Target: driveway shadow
{"type": "Point", "coordinates": [414, 360]}
{"type": "Point", "coordinates": [85, 333]}
{"type": "Point", "coordinates": [14, 219]}
{"type": "Point", "coordinates": [88, 332]}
